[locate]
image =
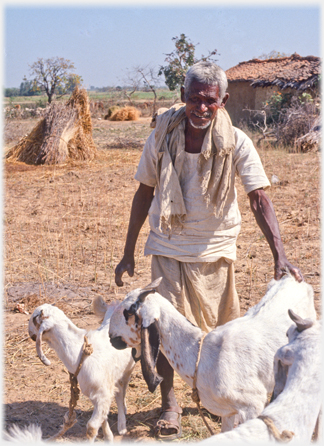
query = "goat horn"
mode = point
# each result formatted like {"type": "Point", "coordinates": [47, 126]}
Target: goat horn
{"type": "Point", "coordinates": [140, 299]}
{"type": "Point", "coordinates": [39, 349]}
{"type": "Point", "coordinates": [145, 293]}
{"type": "Point", "coordinates": [302, 324]}
{"type": "Point", "coordinates": [154, 284]}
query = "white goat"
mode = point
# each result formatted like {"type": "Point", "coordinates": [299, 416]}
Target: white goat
{"type": "Point", "coordinates": [28, 435]}
{"type": "Point", "coordinates": [103, 375]}
{"type": "Point", "coordinates": [235, 371]}
{"type": "Point", "coordinates": [297, 392]}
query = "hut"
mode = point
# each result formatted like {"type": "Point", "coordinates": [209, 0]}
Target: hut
{"type": "Point", "coordinates": [252, 83]}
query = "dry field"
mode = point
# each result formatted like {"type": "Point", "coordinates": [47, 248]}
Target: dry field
{"type": "Point", "coordinates": [64, 233]}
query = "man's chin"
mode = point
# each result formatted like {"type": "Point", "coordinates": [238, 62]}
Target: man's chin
{"type": "Point", "coordinates": [200, 126]}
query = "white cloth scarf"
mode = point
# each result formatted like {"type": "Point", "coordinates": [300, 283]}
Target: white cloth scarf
{"type": "Point", "coordinates": [214, 164]}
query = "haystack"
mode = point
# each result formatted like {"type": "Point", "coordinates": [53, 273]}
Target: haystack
{"type": "Point", "coordinates": [126, 114]}
{"type": "Point", "coordinates": [311, 142]}
{"type": "Point", "coordinates": [111, 111]}
{"type": "Point", "coordinates": [64, 133]}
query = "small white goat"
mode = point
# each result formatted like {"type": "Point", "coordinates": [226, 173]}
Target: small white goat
{"type": "Point", "coordinates": [235, 371]}
{"type": "Point", "coordinates": [297, 393]}
{"type": "Point", "coordinates": [103, 375]}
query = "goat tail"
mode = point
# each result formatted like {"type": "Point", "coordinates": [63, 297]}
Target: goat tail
{"type": "Point", "coordinates": [102, 309]}
{"type": "Point", "coordinates": [99, 306]}
{"type": "Point", "coordinates": [28, 434]}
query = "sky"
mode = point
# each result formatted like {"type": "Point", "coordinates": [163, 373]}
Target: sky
{"type": "Point", "coordinates": [105, 40]}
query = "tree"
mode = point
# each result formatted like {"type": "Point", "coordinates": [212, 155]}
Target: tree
{"type": "Point", "coordinates": [132, 80]}
{"type": "Point", "coordinates": [53, 76]}
{"type": "Point", "coordinates": [145, 75]}
{"type": "Point", "coordinates": [180, 60]}
{"type": "Point", "coordinates": [26, 89]}
{"type": "Point", "coordinates": [150, 81]}
{"type": "Point", "coordinates": [10, 92]}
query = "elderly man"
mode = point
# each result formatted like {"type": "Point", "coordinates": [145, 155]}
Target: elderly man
{"type": "Point", "coordinates": [186, 174]}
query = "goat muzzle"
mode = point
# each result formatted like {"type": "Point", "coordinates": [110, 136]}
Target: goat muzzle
{"type": "Point", "coordinates": [118, 343]}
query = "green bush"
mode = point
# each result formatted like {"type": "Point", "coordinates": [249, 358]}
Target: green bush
{"type": "Point", "coordinates": [275, 104]}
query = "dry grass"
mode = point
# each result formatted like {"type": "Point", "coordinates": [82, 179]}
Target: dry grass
{"type": "Point", "coordinates": [65, 228]}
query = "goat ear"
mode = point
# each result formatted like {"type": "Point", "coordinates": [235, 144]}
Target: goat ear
{"type": "Point", "coordinates": [302, 324]}
{"type": "Point", "coordinates": [154, 284]}
{"type": "Point", "coordinates": [38, 319]}
{"type": "Point", "coordinates": [280, 372]}
{"type": "Point", "coordinates": [150, 346]}
{"type": "Point", "coordinates": [39, 349]}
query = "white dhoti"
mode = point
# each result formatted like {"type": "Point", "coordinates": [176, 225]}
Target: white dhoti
{"type": "Point", "coordinates": [203, 292]}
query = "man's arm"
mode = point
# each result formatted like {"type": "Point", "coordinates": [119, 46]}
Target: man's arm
{"type": "Point", "coordinates": [265, 216]}
{"type": "Point", "coordinates": [140, 207]}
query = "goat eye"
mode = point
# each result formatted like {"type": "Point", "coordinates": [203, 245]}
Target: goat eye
{"type": "Point", "coordinates": [126, 315]}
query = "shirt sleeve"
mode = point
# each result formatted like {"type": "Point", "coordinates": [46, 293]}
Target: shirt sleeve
{"type": "Point", "coordinates": [248, 163]}
{"type": "Point", "coordinates": [146, 170]}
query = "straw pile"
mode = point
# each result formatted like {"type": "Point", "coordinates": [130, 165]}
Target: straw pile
{"type": "Point", "coordinates": [111, 111]}
{"type": "Point", "coordinates": [64, 133]}
{"type": "Point", "coordinates": [311, 142]}
{"type": "Point", "coordinates": [126, 114]}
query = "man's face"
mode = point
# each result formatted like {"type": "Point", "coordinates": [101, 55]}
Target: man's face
{"type": "Point", "coordinates": [202, 102]}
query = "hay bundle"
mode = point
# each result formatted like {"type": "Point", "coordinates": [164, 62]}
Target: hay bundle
{"type": "Point", "coordinates": [64, 132]}
{"type": "Point", "coordinates": [311, 142]}
{"type": "Point", "coordinates": [111, 111]}
{"type": "Point", "coordinates": [126, 114]}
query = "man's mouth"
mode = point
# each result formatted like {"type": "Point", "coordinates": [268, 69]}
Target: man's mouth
{"type": "Point", "coordinates": [205, 115]}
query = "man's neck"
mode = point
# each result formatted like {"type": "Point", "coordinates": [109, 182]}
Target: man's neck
{"type": "Point", "coordinates": [194, 138]}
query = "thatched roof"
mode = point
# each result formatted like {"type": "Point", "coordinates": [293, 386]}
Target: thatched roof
{"type": "Point", "coordinates": [294, 71]}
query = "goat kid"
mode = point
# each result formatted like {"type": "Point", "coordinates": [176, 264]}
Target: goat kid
{"type": "Point", "coordinates": [297, 392]}
{"type": "Point", "coordinates": [103, 375]}
{"type": "Point", "coordinates": [235, 371]}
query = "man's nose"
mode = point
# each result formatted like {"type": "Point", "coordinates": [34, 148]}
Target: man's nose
{"type": "Point", "coordinates": [203, 107]}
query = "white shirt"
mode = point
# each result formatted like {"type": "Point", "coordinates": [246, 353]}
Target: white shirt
{"type": "Point", "coordinates": [203, 238]}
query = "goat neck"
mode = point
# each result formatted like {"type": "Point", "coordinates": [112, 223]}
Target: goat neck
{"type": "Point", "coordinates": [67, 340]}
{"type": "Point", "coordinates": [301, 388]}
{"type": "Point", "coordinates": [179, 341]}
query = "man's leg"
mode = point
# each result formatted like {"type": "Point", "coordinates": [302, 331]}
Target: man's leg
{"type": "Point", "coordinates": [170, 421]}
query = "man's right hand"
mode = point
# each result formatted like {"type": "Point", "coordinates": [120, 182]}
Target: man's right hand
{"type": "Point", "coordinates": [140, 207]}
{"type": "Point", "coordinates": [126, 264]}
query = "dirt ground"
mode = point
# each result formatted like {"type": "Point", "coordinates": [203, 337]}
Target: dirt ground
{"type": "Point", "coordinates": [64, 230]}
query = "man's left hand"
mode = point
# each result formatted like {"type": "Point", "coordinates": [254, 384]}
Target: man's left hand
{"type": "Point", "coordinates": [281, 267]}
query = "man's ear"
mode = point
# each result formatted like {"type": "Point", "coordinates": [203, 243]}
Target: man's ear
{"type": "Point", "coordinates": [182, 90]}
{"type": "Point", "coordinates": [225, 98]}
